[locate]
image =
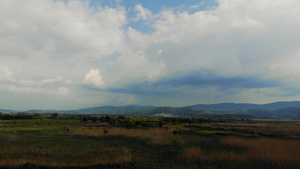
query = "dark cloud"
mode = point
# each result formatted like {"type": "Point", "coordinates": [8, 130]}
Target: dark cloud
{"type": "Point", "coordinates": [210, 79]}
{"type": "Point", "coordinates": [172, 86]}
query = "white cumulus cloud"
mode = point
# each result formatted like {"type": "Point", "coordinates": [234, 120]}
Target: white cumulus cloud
{"type": "Point", "coordinates": [142, 13]}
{"type": "Point", "coordinates": [47, 48]}
{"type": "Point", "coordinates": [6, 74]}
{"type": "Point", "coordinates": [64, 91]}
{"type": "Point", "coordinates": [93, 78]}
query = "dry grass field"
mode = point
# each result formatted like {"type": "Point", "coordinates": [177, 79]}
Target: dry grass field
{"type": "Point", "coordinates": [269, 149]}
{"type": "Point", "coordinates": [73, 144]}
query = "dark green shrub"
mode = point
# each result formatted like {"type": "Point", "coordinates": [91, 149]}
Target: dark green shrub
{"type": "Point", "coordinates": [105, 131]}
{"type": "Point", "coordinates": [177, 132]}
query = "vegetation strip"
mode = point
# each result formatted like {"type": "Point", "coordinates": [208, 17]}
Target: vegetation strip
{"type": "Point", "coordinates": [56, 141]}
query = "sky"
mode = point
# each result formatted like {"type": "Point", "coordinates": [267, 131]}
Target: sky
{"type": "Point", "coordinates": [70, 54]}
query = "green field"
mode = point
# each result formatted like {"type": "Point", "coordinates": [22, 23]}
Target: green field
{"type": "Point", "coordinates": [72, 143]}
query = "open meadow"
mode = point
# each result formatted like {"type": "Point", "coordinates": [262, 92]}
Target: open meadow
{"type": "Point", "coordinates": [67, 143]}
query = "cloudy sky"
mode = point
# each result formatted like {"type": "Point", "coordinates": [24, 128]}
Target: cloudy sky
{"type": "Point", "coordinates": [68, 54]}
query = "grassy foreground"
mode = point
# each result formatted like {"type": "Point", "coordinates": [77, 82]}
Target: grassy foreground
{"type": "Point", "coordinates": [68, 144]}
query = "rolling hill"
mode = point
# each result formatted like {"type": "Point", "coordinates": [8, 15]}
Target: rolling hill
{"type": "Point", "coordinates": [277, 109]}
{"type": "Point", "coordinates": [245, 106]}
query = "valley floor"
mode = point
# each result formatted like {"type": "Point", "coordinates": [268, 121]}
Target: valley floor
{"type": "Point", "coordinates": [70, 143]}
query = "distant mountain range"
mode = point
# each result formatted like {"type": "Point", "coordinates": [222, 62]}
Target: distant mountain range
{"type": "Point", "coordinates": [6, 110]}
{"type": "Point", "coordinates": [111, 109]}
{"type": "Point", "coordinates": [245, 106]}
{"type": "Point", "coordinates": [277, 109]}
{"type": "Point", "coordinates": [173, 112]}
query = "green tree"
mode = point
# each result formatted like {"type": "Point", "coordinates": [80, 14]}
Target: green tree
{"type": "Point", "coordinates": [105, 131]}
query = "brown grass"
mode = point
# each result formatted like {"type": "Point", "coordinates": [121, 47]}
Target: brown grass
{"type": "Point", "coordinates": [191, 154]}
{"type": "Point", "coordinates": [274, 151]}
{"type": "Point", "coordinates": [18, 149]}
{"type": "Point", "coordinates": [243, 124]}
{"type": "Point", "coordinates": [112, 156]}
{"type": "Point", "coordinates": [269, 149]}
{"type": "Point", "coordinates": [283, 130]}
{"type": "Point", "coordinates": [154, 135]}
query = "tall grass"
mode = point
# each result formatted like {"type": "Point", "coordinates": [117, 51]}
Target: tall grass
{"type": "Point", "coordinates": [51, 148]}
{"type": "Point", "coordinates": [191, 154]}
{"type": "Point", "coordinates": [154, 135]}
{"type": "Point", "coordinates": [76, 145]}
{"type": "Point", "coordinates": [269, 149]}
{"type": "Point", "coordinates": [262, 153]}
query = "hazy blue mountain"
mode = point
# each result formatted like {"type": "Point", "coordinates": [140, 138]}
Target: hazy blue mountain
{"type": "Point", "coordinates": [288, 112]}
{"type": "Point", "coordinates": [260, 112]}
{"type": "Point", "coordinates": [245, 106]}
{"type": "Point", "coordinates": [6, 110]}
{"type": "Point", "coordinates": [143, 107]}
{"type": "Point", "coordinates": [109, 109]}
{"type": "Point", "coordinates": [41, 111]}
{"type": "Point", "coordinates": [173, 112]}
{"type": "Point", "coordinates": [277, 109]}
{"type": "Point", "coordinates": [279, 105]}
{"type": "Point", "coordinates": [224, 106]}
